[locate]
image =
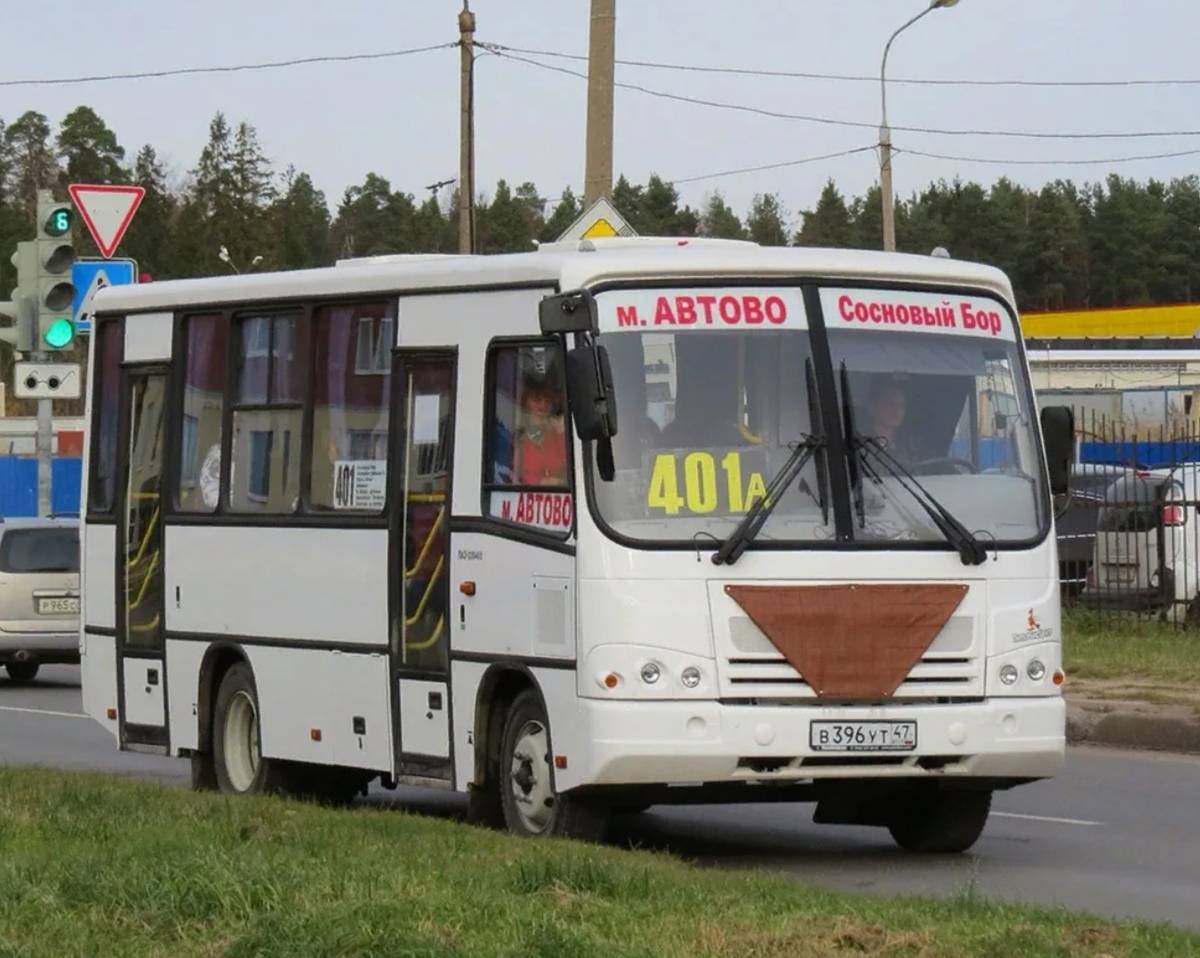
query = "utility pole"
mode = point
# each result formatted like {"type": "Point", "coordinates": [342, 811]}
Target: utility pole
{"type": "Point", "coordinates": [466, 136]}
{"type": "Point", "coordinates": [602, 37]}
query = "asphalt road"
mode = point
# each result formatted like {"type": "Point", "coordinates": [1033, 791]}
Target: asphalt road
{"type": "Point", "coordinates": [1115, 834]}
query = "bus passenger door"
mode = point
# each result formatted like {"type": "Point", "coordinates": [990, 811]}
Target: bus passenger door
{"type": "Point", "coordinates": [422, 459]}
{"type": "Point", "coordinates": [141, 659]}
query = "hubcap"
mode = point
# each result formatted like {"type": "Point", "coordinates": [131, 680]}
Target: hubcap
{"type": "Point", "coordinates": [533, 797]}
{"type": "Point", "coordinates": [241, 742]}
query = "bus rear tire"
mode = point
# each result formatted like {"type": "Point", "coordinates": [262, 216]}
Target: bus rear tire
{"type": "Point", "coordinates": [237, 739]}
{"type": "Point", "coordinates": [935, 821]}
{"type": "Point", "coordinates": [21, 672]}
{"type": "Point", "coordinates": [532, 808]}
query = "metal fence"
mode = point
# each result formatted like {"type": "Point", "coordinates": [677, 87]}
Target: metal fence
{"type": "Point", "coordinates": [1129, 531]}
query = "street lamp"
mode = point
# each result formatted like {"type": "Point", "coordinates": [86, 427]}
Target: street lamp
{"type": "Point", "coordinates": [885, 135]}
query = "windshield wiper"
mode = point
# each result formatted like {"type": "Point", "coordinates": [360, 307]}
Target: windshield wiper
{"type": "Point", "coordinates": [752, 523]}
{"type": "Point", "coordinates": [970, 549]}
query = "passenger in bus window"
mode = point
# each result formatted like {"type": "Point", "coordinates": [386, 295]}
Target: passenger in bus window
{"type": "Point", "coordinates": [542, 446]}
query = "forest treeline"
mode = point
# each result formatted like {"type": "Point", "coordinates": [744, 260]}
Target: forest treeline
{"type": "Point", "coordinates": [1110, 243]}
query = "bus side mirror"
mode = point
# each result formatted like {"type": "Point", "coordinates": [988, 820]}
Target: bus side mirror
{"type": "Point", "coordinates": [1058, 436]}
{"type": "Point", "coordinates": [573, 312]}
{"type": "Point", "coordinates": [590, 392]}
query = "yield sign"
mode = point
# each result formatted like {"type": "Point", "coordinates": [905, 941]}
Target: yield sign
{"type": "Point", "coordinates": [107, 211]}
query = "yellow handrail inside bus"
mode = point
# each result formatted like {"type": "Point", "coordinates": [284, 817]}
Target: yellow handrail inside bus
{"type": "Point", "coordinates": [145, 539]}
{"type": "Point", "coordinates": [432, 640]}
{"type": "Point", "coordinates": [437, 524]}
{"type": "Point", "coordinates": [145, 583]}
{"type": "Point", "coordinates": [420, 610]}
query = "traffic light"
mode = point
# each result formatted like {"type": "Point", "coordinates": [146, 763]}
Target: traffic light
{"type": "Point", "coordinates": [54, 289]}
{"type": "Point", "coordinates": [22, 334]}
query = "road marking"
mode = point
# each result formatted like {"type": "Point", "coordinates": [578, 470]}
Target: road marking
{"type": "Point", "coordinates": [1047, 818]}
{"type": "Point", "coordinates": [15, 708]}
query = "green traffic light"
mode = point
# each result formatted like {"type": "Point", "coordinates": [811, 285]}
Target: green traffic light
{"type": "Point", "coordinates": [60, 333]}
{"type": "Point", "coordinates": [59, 222]}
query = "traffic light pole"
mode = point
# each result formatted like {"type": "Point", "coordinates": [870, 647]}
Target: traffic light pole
{"type": "Point", "coordinates": [45, 441]}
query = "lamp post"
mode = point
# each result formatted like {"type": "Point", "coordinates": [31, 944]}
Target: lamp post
{"type": "Point", "coordinates": [885, 134]}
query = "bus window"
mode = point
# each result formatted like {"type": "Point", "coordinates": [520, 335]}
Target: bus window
{"type": "Point", "coordinates": [527, 440]}
{"type": "Point", "coordinates": [352, 353]}
{"type": "Point", "coordinates": [264, 473]}
{"type": "Point", "coordinates": [202, 415]}
{"type": "Point", "coordinates": [109, 349]}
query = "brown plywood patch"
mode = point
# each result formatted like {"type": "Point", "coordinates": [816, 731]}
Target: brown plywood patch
{"type": "Point", "coordinates": [850, 641]}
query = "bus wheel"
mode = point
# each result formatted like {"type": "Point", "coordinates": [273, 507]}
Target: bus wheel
{"type": "Point", "coordinates": [934, 821]}
{"type": "Point", "coordinates": [531, 806]}
{"type": "Point", "coordinates": [237, 742]}
{"type": "Point", "coordinates": [22, 671]}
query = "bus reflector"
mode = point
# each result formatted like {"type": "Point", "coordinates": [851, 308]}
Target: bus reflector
{"type": "Point", "coordinates": [560, 761]}
{"type": "Point", "coordinates": [112, 715]}
{"type": "Point", "coordinates": [467, 587]}
{"type": "Point", "coordinates": [314, 734]}
{"type": "Point", "coordinates": [1059, 678]}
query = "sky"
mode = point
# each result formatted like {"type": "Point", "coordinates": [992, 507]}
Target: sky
{"type": "Point", "coordinates": [398, 117]}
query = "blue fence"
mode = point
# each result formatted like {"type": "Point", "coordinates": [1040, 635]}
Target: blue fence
{"type": "Point", "coordinates": [18, 485]}
{"type": "Point", "coordinates": [1149, 455]}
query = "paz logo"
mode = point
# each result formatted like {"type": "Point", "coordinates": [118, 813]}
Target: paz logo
{"type": "Point", "coordinates": [1033, 630]}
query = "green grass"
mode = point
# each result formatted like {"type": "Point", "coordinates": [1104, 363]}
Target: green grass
{"type": "Point", "coordinates": [97, 866]}
{"type": "Point", "coordinates": [1129, 648]}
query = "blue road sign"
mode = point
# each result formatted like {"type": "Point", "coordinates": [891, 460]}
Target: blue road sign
{"type": "Point", "coordinates": [86, 274]}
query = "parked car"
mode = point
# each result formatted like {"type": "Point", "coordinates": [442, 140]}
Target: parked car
{"type": "Point", "coordinates": [39, 594]}
{"type": "Point", "coordinates": [1075, 525]}
{"type": "Point", "coordinates": [1147, 550]}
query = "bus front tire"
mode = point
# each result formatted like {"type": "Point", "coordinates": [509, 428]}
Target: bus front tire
{"type": "Point", "coordinates": [940, 821]}
{"type": "Point", "coordinates": [237, 740]}
{"type": "Point", "coordinates": [531, 806]}
{"type": "Point", "coordinates": [21, 672]}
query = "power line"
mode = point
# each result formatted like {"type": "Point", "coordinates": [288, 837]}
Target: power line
{"type": "Point", "coordinates": [777, 166]}
{"type": "Point", "coordinates": [860, 78]}
{"type": "Point", "coordinates": [1028, 162]}
{"type": "Point", "coordinates": [238, 68]}
{"type": "Point", "coordinates": [855, 124]}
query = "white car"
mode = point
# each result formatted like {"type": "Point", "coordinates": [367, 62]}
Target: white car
{"type": "Point", "coordinates": [1147, 552]}
{"type": "Point", "coordinates": [39, 594]}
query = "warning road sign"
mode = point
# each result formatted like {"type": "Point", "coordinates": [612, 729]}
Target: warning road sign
{"type": "Point", "coordinates": [107, 211]}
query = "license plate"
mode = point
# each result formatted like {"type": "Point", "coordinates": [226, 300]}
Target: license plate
{"type": "Point", "coordinates": [862, 736]}
{"type": "Point", "coordinates": [63, 606]}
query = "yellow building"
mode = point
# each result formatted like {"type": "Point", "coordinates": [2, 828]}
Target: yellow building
{"type": "Point", "coordinates": [1124, 321]}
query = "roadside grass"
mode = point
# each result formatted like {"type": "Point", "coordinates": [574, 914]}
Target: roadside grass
{"type": "Point", "coordinates": [1134, 649]}
{"type": "Point", "coordinates": [98, 866]}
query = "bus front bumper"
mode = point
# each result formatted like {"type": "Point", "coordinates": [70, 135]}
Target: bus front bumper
{"type": "Point", "coordinates": [662, 743]}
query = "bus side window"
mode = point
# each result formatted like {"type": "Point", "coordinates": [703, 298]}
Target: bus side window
{"type": "Point", "coordinates": [202, 415]}
{"type": "Point", "coordinates": [527, 446]}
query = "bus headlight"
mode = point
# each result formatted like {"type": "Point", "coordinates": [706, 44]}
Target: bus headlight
{"type": "Point", "coordinates": [651, 673]}
{"type": "Point", "coordinates": [1036, 670]}
{"type": "Point", "coordinates": [1009, 675]}
{"type": "Point", "coordinates": [690, 677]}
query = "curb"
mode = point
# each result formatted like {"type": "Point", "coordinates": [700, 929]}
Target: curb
{"type": "Point", "coordinates": [1134, 725]}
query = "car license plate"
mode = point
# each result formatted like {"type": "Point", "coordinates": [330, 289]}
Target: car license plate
{"type": "Point", "coordinates": [862, 736]}
{"type": "Point", "coordinates": [58, 606]}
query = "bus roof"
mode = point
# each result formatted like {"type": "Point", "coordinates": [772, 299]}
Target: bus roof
{"type": "Point", "coordinates": [591, 262]}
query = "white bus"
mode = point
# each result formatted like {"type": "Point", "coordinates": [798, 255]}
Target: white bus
{"type": "Point", "coordinates": [580, 531]}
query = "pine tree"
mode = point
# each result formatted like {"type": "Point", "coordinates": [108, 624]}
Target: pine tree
{"type": "Point", "coordinates": [150, 239]}
{"type": "Point", "coordinates": [627, 199]}
{"type": "Point", "coordinates": [298, 225]}
{"type": "Point", "coordinates": [765, 221]}
{"type": "Point", "coordinates": [568, 210]}
{"type": "Point", "coordinates": [502, 225]}
{"type": "Point", "coordinates": [89, 150]}
{"type": "Point", "coordinates": [720, 221]}
{"type": "Point", "coordinates": [830, 224]}
{"type": "Point", "coordinates": [32, 166]}
{"type": "Point", "coordinates": [362, 226]}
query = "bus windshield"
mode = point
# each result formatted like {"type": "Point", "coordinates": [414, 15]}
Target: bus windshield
{"type": "Point", "coordinates": [715, 392]}
{"type": "Point", "coordinates": [712, 400]}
